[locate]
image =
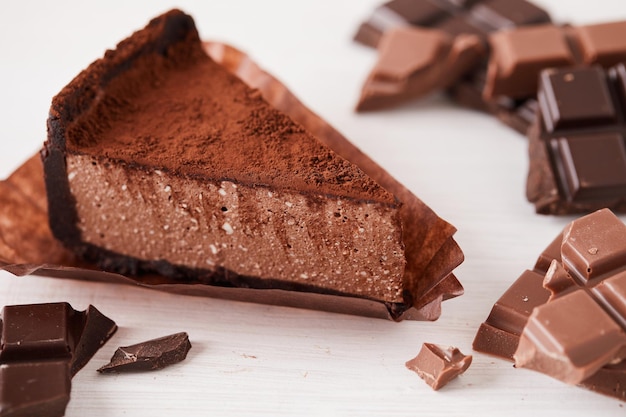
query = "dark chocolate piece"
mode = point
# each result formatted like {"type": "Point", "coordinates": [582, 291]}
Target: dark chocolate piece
{"type": "Point", "coordinates": [519, 55]}
{"type": "Point", "coordinates": [150, 355]}
{"type": "Point", "coordinates": [39, 331]}
{"type": "Point", "coordinates": [438, 365]}
{"type": "Point", "coordinates": [42, 346]}
{"type": "Point", "coordinates": [500, 334]}
{"type": "Point", "coordinates": [462, 21]}
{"type": "Point", "coordinates": [454, 17]}
{"type": "Point", "coordinates": [507, 86]}
{"type": "Point", "coordinates": [97, 330]}
{"type": "Point", "coordinates": [582, 327]}
{"type": "Point", "coordinates": [414, 62]}
{"type": "Point", "coordinates": [53, 330]}
{"type": "Point", "coordinates": [577, 149]}
{"type": "Point", "coordinates": [36, 388]}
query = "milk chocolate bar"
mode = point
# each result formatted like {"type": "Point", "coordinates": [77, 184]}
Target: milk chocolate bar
{"type": "Point", "coordinates": [477, 17]}
{"type": "Point", "coordinates": [499, 335]}
{"type": "Point", "coordinates": [576, 145]}
{"type": "Point", "coordinates": [518, 56]}
{"type": "Point", "coordinates": [582, 326]}
{"type": "Point", "coordinates": [41, 347]}
{"type": "Point", "coordinates": [413, 62]}
{"type": "Point", "coordinates": [506, 86]}
{"type": "Point", "coordinates": [430, 45]}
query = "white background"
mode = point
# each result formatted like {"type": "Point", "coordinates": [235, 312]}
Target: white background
{"type": "Point", "coordinates": [250, 359]}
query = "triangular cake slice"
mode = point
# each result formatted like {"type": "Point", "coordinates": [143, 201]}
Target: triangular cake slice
{"type": "Point", "coordinates": [160, 160]}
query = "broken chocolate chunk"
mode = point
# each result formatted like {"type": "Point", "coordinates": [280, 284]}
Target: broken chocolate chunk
{"type": "Point", "coordinates": [150, 355]}
{"type": "Point", "coordinates": [413, 62]}
{"type": "Point", "coordinates": [582, 326]}
{"type": "Point", "coordinates": [438, 365]}
{"type": "Point", "coordinates": [580, 265]}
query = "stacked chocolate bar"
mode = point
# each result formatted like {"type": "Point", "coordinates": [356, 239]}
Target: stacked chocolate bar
{"type": "Point", "coordinates": [567, 316]}
{"type": "Point", "coordinates": [562, 86]}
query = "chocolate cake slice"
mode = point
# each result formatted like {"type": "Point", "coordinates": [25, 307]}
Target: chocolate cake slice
{"type": "Point", "coordinates": [160, 160]}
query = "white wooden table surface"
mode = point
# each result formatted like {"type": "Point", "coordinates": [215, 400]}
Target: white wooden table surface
{"type": "Point", "coordinates": [250, 359]}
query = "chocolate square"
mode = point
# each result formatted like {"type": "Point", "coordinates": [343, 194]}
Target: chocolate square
{"type": "Point", "coordinates": [516, 59]}
{"type": "Point", "coordinates": [40, 330]}
{"type": "Point", "coordinates": [577, 150]}
{"type": "Point", "coordinates": [517, 303]}
{"type": "Point", "coordinates": [603, 43]}
{"type": "Point", "coordinates": [591, 166]}
{"type": "Point", "coordinates": [560, 93]}
{"type": "Point", "coordinates": [594, 246]}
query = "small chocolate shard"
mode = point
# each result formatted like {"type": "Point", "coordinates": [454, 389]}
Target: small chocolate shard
{"type": "Point", "coordinates": [97, 329]}
{"type": "Point", "coordinates": [150, 355]}
{"type": "Point", "coordinates": [438, 365]}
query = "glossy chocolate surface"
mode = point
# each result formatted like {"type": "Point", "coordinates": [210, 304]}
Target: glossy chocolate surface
{"type": "Point", "coordinates": [519, 55]}
{"type": "Point", "coordinates": [39, 330]}
{"type": "Point", "coordinates": [150, 355]}
{"type": "Point", "coordinates": [577, 147]}
{"type": "Point", "coordinates": [437, 365]}
{"type": "Point", "coordinates": [42, 346]}
{"type": "Point", "coordinates": [39, 388]}
{"type": "Point", "coordinates": [573, 327]}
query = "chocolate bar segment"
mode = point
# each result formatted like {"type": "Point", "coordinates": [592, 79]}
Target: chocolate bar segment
{"type": "Point", "coordinates": [599, 289]}
{"type": "Point", "coordinates": [39, 330]}
{"type": "Point", "coordinates": [577, 149]}
{"type": "Point", "coordinates": [583, 326]}
{"type": "Point", "coordinates": [40, 388]}
{"type": "Point", "coordinates": [570, 338]}
{"type": "Point", "coordinates": [452, 16]}
{"type": "Point", "coordinates": [499, 334]}
{"type": "Point", "coordinates": [414, 62]}
{"type": "Point", "coordinates": [42, 346]}
{"type": "Point", "coordinates": [519, 55]}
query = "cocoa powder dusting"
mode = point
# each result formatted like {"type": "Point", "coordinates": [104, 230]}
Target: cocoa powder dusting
{"type": "Point", "coordinates": [184, 113]}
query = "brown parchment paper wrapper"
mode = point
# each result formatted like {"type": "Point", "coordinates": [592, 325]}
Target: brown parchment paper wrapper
{"type": "Point", "coordinates": [28, 247]}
